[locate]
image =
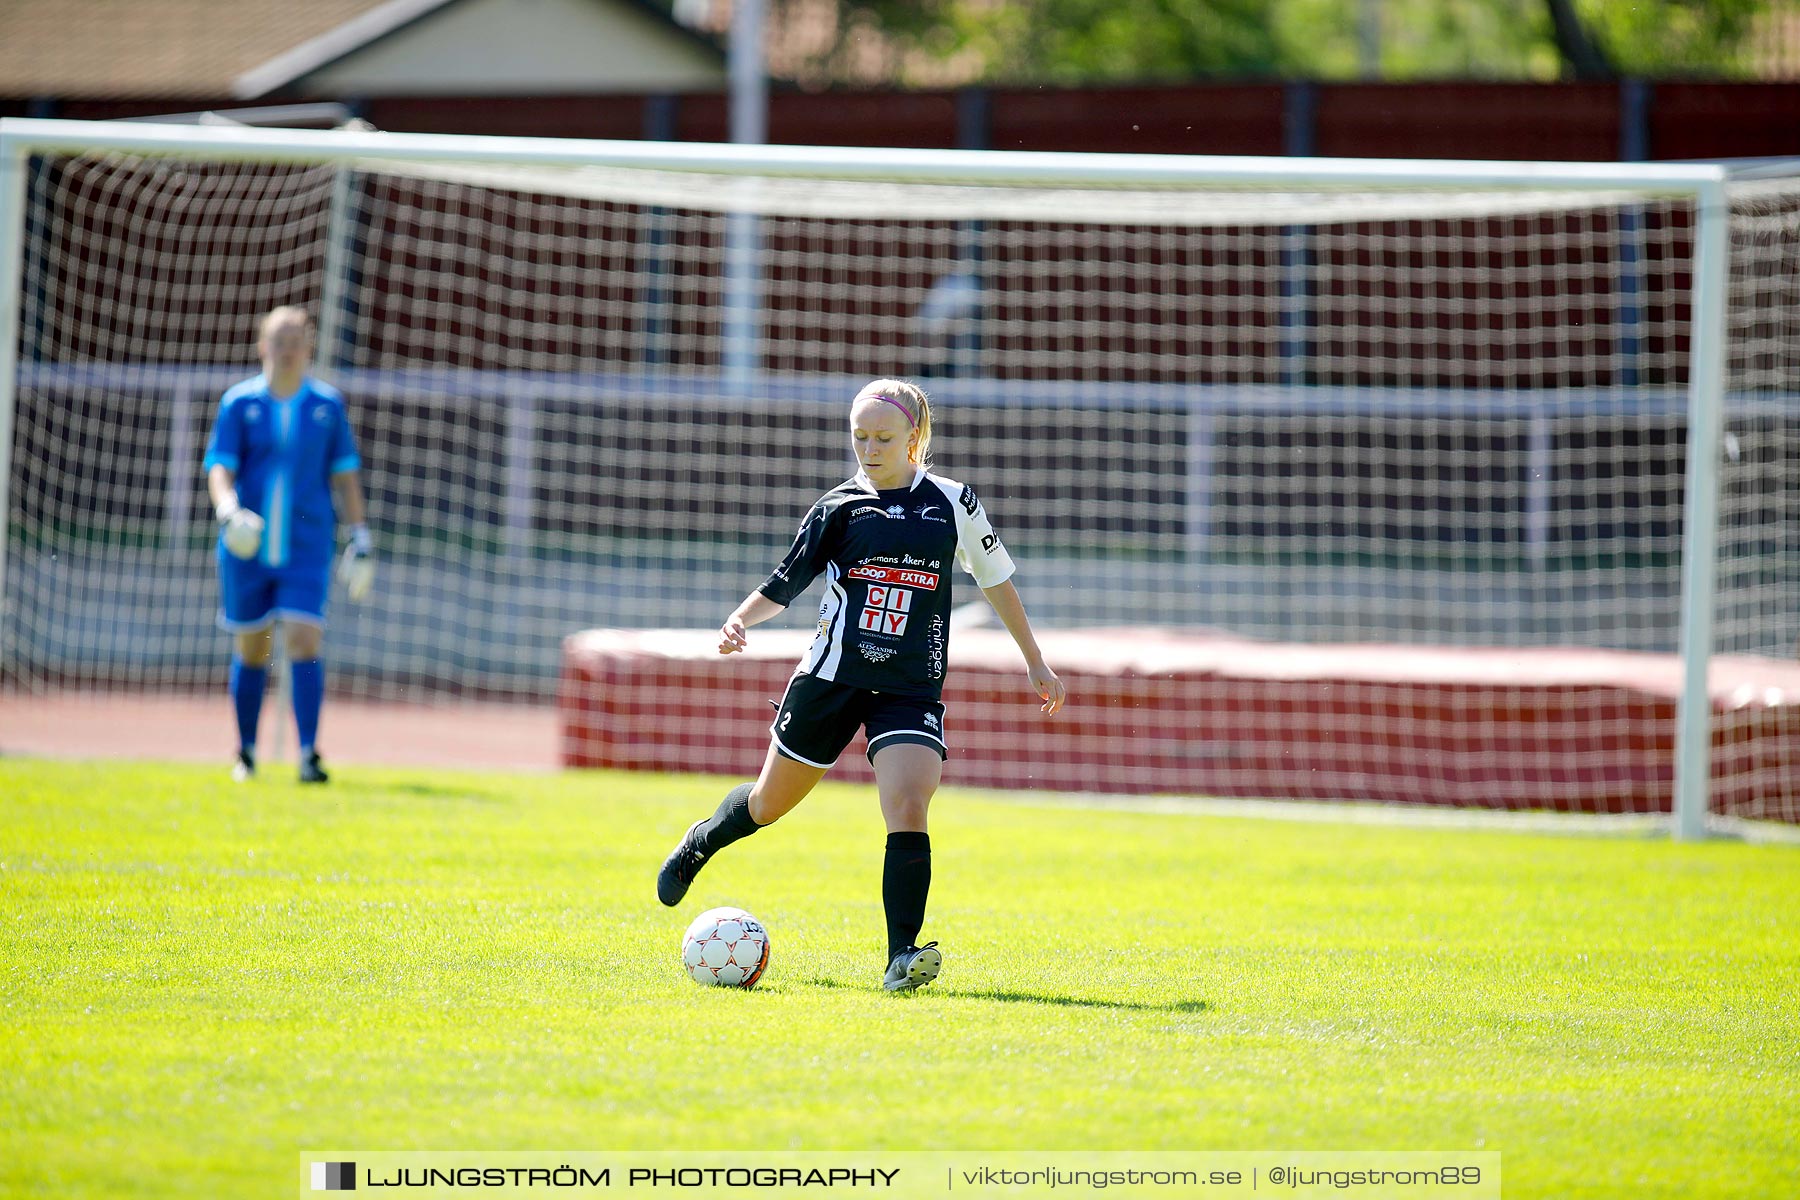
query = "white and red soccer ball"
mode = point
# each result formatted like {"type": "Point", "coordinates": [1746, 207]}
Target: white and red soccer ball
{"type": "Point", "coordinates": [725, 947]}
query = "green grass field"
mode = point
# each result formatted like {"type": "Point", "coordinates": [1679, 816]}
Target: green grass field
{"type": "Point", "coordinates": [204, 980]}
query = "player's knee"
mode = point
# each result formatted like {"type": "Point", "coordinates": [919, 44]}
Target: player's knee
{"type": "Point", "coordinates": [253, 649]}
{"type": "Point", "coordinates": [906, 809]}
{"type": "Point", "coordinates": [763, 810]}
{"type": "Point", "coordinates": [303, 642]}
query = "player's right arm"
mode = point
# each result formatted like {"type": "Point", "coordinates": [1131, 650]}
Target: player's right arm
{"type": "Point", "coordinates": [802, 564]}
{"type": "Point", "coordinates": [221, 485]}
{"type": "Point", "coordinates": [755, 609]}
{"type": "Point", "coordinates": [241, 529]}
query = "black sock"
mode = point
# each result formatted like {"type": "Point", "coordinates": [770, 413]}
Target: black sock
{"type": "Point", "coordinates": [730, 824]}
{"type": "Point", "coordinates": [905, 881]}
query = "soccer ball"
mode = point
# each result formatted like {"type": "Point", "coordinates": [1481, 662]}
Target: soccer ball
{"type": "Point", "coordinates": [725, 947]}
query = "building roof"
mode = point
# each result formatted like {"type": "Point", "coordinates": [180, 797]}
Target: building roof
{"type": "Point", "coordinates": [117, 48]}
{"type": "Point", "coordinates": [211, 48]}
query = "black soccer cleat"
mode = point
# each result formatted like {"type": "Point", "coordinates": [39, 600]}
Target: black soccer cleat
{"type": "Point", "coordinates": [913, 967]}
{"type": "Point", "coordinates": [312, 769]}
{"type": "Point", "coordinates": [244, 770]}
{"type": "Point", "coordinates": [678, 870]}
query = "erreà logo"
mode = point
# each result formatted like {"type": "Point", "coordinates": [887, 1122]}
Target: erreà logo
{"type": "Point", "coordinates": [334, 1177]}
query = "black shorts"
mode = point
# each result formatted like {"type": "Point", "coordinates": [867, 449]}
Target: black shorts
{"type": "Point", "coordinates": [817, 720]}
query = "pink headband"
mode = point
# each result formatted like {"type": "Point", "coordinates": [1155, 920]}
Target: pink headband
{"type": "Point", "coordinates": [910, 419]}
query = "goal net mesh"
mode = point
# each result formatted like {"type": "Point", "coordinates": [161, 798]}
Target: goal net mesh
{"type": "Point", "coordinates": [604, 397]}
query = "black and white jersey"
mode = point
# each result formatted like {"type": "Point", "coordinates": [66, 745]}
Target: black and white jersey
{"type": "Point", "coordinates": [884, 623]}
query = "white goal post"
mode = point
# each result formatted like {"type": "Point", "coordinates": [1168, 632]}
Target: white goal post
{"type": "Point", "coordinates": [1245, 308]}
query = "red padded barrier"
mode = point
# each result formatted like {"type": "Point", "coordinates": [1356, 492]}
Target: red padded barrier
{"type": "Point", "coordinates": [1154, 711]}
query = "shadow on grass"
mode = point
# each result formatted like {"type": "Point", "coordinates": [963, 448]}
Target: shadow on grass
{"type": "Point", "coordinates": [1017, 997]}
{"type": "Point", "coordinates": [432, 791]}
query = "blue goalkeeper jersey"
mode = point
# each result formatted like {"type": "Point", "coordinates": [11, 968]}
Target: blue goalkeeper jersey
{"type": "Point", "coordinates": [283, 454]}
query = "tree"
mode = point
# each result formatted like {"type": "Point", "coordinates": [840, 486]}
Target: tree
{"type": "Point", "coordinates": [1681, 37]}
{"type": "Point", "coordinates": [1586, 60]}
{"type": "Point", "coordinates": [1103, 41]}
{"type": "Point", "coordinates": [926, 43]}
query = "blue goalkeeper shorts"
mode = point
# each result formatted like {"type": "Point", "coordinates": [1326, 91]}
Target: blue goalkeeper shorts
{"type": "Point", "coordinates": [254, 596]}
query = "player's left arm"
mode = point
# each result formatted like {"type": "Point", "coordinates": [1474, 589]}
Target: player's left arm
{"type": "Point", "coordinates": [357, 567]}
{"type": "Point", "coordinates": [1005, 599]}
{"type": "Point", "coordinates": [979, 550]}
{"type": "Point", "coordinates": [347, 495]}
{"type": "Point", "coordinates": [347, 498]}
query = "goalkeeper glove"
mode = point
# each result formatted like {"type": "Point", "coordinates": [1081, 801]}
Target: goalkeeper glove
{"type": "Point", "coordinates": [357, 567]}
{"type": "Point", "coordinates": [241, 529]}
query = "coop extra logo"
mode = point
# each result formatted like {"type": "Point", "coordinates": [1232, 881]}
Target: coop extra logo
{"type": "Point", "coordinates": [927, 580]}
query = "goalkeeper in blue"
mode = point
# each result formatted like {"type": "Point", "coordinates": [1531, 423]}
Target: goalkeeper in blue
{"type": "Point", "coordinates": [885, 541]}
{"type": "Point", "coordinates": [282, 471]}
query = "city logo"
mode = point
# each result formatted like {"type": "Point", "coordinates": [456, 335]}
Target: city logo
{"type": "Point", "coordinates": [334, 1177]}
{"type": "Point", "coordinates": [926, 512]}
{"type": "Point", "coordinates": [885, 611]}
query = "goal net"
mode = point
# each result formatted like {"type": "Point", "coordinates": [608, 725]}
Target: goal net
{"type": "Point", "coordinates": [1391, 409]}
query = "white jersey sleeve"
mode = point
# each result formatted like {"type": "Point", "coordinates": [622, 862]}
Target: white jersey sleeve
{"type": "Point", "coordinates": [978, 547]}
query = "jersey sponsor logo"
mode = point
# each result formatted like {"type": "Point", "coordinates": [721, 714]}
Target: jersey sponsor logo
{"type": "Point", "coordinates": [321, 415]}
{"type": "Point", "coordinates": [252, 412]}
{"type": "Point", "coordinates": [885, 610]}
{"type": "Point", "coordinates": [990, 541]}
{"type": "Point", "coordinates": [889, 624]}
{"type": "Point", "coordinates": [928, 580]}
{"type": "Point", "coordinates": [875, 654]}
{"type": "Point", "coordinates": [970, 504]}
{"type": "Point", "coordinates": [897, 598]}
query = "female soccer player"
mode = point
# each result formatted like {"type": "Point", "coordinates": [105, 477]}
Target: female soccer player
{"type": "Point", "coordinates": [884, 540]}
{"type": "Point", "coordinates": [281, 468]}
